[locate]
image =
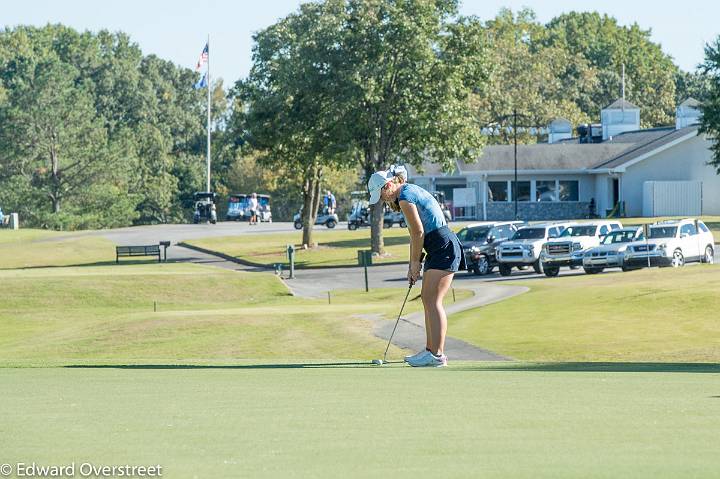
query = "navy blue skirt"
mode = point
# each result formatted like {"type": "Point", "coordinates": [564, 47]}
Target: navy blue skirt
{"type": "Point", "coordinates": [443, 250]}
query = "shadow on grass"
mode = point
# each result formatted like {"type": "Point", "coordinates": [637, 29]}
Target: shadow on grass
{"type": "Point", "coordinates": [365, 242]}
{"type": "Point", "coordinates": [334, 365]}
{"type": "Point", "coordinates": [592, 367]}
{"type": "Point", "coordinates": [98, 263]}
{"type": "Point", "coordinates": [455, 366]}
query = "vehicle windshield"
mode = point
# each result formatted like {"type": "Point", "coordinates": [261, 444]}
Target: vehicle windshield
{"type": "Point", "coordinates": [620, 237]}
{"type": "Point", "coordinates": [473, 234]}
{"type": "Point", "coordinates": [662, 232]}
{"type": "Point", "coordinates": [578, 231]}
{"type": "Point", "coordinates": [529, 233]}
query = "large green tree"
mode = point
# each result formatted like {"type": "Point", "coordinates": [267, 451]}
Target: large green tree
{"type": "Point", "coordinates": [539, 81]}
{"type": "Point", "coordinates": [290, 97]}
{"type": "Point", "coordinates": [606, 45]}
{"type": "Point", "coordinates": [405, 78]}
{"type": "Point", "coordinates": [711, 105]}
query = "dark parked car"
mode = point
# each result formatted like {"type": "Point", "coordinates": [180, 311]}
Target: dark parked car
{"type": "Point", "coordinates": [480, 240]}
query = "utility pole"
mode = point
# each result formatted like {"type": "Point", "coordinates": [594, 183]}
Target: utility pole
{"type": "Point", "coordinates": [515, 184]}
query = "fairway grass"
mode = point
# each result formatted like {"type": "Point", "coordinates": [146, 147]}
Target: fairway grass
{"type": "Point", "coordinates": [268, 420]}
{"type": "Point", "coordinates": [335, 248]}
{"type": "Point", "coordinates": [649, 315]}
{"type": "Point", "coordinates": [41, 248]}
{"type": "Point", "coordinates": [182, 313]}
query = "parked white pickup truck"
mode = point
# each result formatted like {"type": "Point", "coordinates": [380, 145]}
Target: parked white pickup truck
{"type": "Point", "coordinates": [672, 243]}
{"type": "Point", "coordinates": [569, 247]}
{"type": "Point", "coordinates": [523, 249]}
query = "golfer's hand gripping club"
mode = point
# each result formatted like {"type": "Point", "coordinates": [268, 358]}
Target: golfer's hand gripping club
{"type": "Point", "coordinates": [411, 279]}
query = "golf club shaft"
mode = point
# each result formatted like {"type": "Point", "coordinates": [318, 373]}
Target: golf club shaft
{"type": "Point", "coordinates": [397, 321]}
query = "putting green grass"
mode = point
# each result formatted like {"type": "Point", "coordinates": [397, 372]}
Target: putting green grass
{"type": "Point", "coordinates": [41, 248]}
{"type": "Point", "coordinates": [181, 313]}
{"type": "Point", "coordinates": [648, 315]}
{"type": "Point", "coordinates": [268, 421]}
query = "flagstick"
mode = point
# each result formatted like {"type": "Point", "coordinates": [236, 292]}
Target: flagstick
{"type": "Point", "coordinates": [208, 116]}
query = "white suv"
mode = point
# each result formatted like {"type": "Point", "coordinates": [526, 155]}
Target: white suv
{"type": "Point", "coordinates": [672, 243]}
{"type": "Point", "coordinates": [523, 249]}
{"type": "Point", "coordinates": [569, 247]}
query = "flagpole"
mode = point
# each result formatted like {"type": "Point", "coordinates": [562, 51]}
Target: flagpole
{"type": "Point", "coordinates": [208, 115]}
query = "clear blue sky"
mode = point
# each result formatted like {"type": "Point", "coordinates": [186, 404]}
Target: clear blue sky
{"type": "Point", "coordinates": [176, 30]}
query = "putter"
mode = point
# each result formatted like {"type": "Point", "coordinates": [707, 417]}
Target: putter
{"type": "Point", "coordinates": [382, 361]}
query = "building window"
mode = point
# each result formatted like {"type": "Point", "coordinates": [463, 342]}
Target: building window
{"type": "Point", "coordinates": [545, 190]}
{"type": "Point", "coordinates": [522, 193]}
{"type": "Point", "coordinates": [497, 191]}
{"type": "Point", "coordinates": [569, 190]}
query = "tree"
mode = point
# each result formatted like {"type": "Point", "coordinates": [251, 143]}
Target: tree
{"type": "Point", "coordinates": [290, 95]}
{"type": "Point", "coordinates": [695, 85]}
{"type": "Point", "coordinates": [405, 77]}
{"type": "Point", "coordinates": [650, 73]}
{"type": "Point", "coordinates": [539, 81]}
{"type": "Point", "coordinates": [710, 107]}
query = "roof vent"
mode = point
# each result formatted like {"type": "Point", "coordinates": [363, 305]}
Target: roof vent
{"type": "Point", "coordinates": [559, 129]}
{"type": "Point", "coordinates": [619, 117]}
{"type": "Point", "coordinates": [687, 113]}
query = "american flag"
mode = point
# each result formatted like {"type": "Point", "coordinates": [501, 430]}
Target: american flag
{"type": "Point", "coordinates": [203, 58]}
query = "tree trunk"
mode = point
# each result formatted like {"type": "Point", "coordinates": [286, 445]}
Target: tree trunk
{"type": "Point", "coordinates": [311, 193]}
{"type": "Point", "coordinates": [373, 162]}
{"type": "Point", "coordinates": [55, 177]}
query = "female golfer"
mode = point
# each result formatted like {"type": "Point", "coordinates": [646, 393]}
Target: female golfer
{"type": "Point", "coordinates": [428, 230]}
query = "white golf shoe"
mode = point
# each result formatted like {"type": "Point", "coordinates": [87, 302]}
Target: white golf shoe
{"type": "Point", "coordinates": [429, 360]}
{"type": "Point", "coordinates": [415, 356]}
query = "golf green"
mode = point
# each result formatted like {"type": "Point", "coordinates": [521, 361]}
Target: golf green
{"type": "Point", "coordinates": [355, 420]}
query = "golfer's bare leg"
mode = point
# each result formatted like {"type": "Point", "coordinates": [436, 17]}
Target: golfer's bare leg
{"type": "Point", "coordinates": [428, 327]}
{"type": "Point", "coordinates": [436, 284]}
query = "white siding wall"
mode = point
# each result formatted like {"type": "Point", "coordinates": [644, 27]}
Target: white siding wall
{"type": "Point", "coordinates": [686, 161]}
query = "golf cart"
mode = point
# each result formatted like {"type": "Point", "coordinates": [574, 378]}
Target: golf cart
{"type": "Point", "coordinates": [205, 207]}
{"type": "Point", "coordinates": [440, 197]}
{"type": "Point", "coordinates": [391, 217]}
{"type": "Point", "coordinates": [323, 218]}
{"type": "Point", "coordinates": [360, 210]}
{"type": "Point", "coordinates": [238, 208]}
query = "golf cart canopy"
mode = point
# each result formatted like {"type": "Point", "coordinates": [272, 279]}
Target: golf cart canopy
{"type": "Point", "coordinates": [204, 195]}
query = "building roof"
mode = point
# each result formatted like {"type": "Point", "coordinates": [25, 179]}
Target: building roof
{"type": "Point", "coordinates": [644, 142]}
{"type": "Point", "coordinates": [542, 156]}
{"type": "Point", "coordinates": [568, 154]}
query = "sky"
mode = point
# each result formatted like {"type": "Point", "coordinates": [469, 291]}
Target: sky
{"type": "Point", "coordinates": [177, 30]}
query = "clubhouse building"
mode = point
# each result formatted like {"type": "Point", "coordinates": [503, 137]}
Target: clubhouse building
{"type": "Point", "coordinates": [610, 168]}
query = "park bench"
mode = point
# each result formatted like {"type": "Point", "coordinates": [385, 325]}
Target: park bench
{"type": "Point", "coordinates": [144, 250]}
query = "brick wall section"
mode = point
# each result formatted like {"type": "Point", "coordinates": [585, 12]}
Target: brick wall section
{"type": "Point", "coordinates": [540, 211]}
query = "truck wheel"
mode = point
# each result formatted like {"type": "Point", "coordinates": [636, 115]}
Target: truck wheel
{"type": "Point", "coordinates": [709, 257]}
{"type": "Point", "coordinates": [330, 224]}
{"type": "Point", "coordinates": [387, 224]}
{"type": "Point", "coordinates": [678, 259]}
{"type": "Point", "coordinates": [551, 271]}
{"type": "Point", "coordinates": [537, 266]}
{"type": "Point", "coordinates": [352, 226]}
{"type": "Point", "coordinates": [505, 269]}
{"type": "Point", "coordinates": [402, 224]}
{"type": "Point", "coordinates": [483, 266]}
{"type": "Point", "coordinates": [298, 225]}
